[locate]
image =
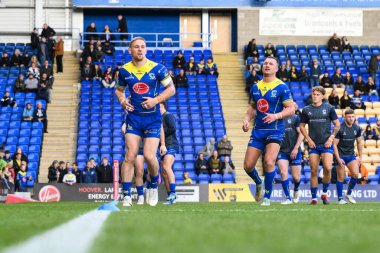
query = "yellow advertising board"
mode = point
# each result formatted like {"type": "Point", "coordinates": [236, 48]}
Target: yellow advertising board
{"type": "Point", "coordinates": [229, 193]}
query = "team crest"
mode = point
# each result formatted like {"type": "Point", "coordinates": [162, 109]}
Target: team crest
{"type": "Point", "coordinates": [274, 93]}
{"type": "Point", "coordinates": [355, 132]}
{"type": "Point", "coordinates": [152, 76]}
{"type": "Point", "coordinates": [324, 111]}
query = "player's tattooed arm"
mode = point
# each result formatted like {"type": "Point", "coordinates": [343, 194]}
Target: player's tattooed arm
{"type": "Point", "coordinates": [360, 147]}
{"type": "Point", "coordinates": [330, 140]}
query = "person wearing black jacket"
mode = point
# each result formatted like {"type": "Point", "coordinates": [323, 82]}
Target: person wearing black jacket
{"type": "Point", "coordinates": [181, 80]}
{"type": "Point", "coordinates": [48, 70]}
{"type": "Point", "coordinates": [122, 27]}
{"type": "Point", "coordinates": [5, 61]}
{"type": "Point", "coordinates": [201, 166]}
{"type": "Point", "coordinates": [104, 171]}
{"type": "Point", "coordinates": [61, 170]}
{"type": "Point", "coordinates": [252, 50]}
{"type": "Point", "coordinates": [34, 40]}
{"type": "Point", "coordinates": [47, 31]}
{"type": "Point", "coordinates": [179, 61]}
{"type": "Point", "coordinates": [17, 59]}
{"type": "Point", "coordinates": [373, 66]}
{"type": "Point", "coordinates": [39, 115]}
{"type": "Point", "coordinates": [91, 29]}
{"type": "Point", "coordinates": [24, 158]}
{"type": "Point", "coordinates": [77, 172]}
{"type": "Point", "coordinates": [53, 174]}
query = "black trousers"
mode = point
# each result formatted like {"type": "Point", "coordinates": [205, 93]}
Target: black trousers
{"type": "Point", "coordinates": [59, 63]}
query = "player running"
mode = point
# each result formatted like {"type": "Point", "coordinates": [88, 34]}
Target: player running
{"type": "Point", "coordinates": [272, 102]}
{"type": "Point", "coordinates": [290, 153]}
{"type": "Point", "coordinates": [319, 116]}
{"type": "Point", "coordinates": [143, 78]}
{"type": "Point", "coordinates": [344, 150]}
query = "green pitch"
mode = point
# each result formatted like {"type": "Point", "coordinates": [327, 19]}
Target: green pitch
{"type": "Point", "coordinates": [208, 227]}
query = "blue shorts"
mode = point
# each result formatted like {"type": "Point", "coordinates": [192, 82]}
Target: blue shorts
{"type": "Point", "coordinates": [145, 126]}
{"type": "Point", "coordinates": [292, 162]}
{"type": "Point", "coordinates": [320, 149]}
{"type": "Point", "coordinates": [141, 150]}
{"type": "Point", "coordinates": [170, 151]}
{"type": "Point", "coordinates": [346, 159]}
{"type": "Point", "coordinates": [260, 138]}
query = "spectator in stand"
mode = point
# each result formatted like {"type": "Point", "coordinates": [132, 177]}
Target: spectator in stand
{"type": "Point", "coordinates": [255, 65]}
{"type": "Point", "coordinates": [108, 81]}
{"type": "Point", "coordinates": [357, 101]}
{"type": "Point", "coordinates": [186, 178]}
{"type": "Point", "coordinates": [69, 178]}
{"type": "Point", "coordinates": [315, 72]}
{"type": "Point", "coordinates": [348, 80]}
{"type": "Point", "coordinates": [283, 74]}
{"type": "Point", "coordinates": [99, 55]}
{"type": "Point", "coordinates": [3, 163]}
{"type": "Point", "coordinates": [45, 80]}
{"type": "Point", "coordinates": [97, 73]}
{"type": "Point", "coordinates": [122, 27]}
{"type": "Point", "coordinates": [24, 158]}
{"type": "Point", "coordinates": [50, 43]}
{"type": "Point", "coordinates": [77, 172]}
{"type": "Point", "coordinates": [43, 92]}
{"type": "Point", "coordinates": [334, 44]}
{"type": "Point", "coordinates": [360, 85]}
{"type": "Point", "coordinates": [8, 176]}
{"type": "Point", "coordinates": [34, 70]}
{"type": "Point", "coordinates": [305, 157]}
{"type": "Point", "coordinates": [326, 81]}
{"type": "Point", "coordinates": [294, 75]}
{"type": "Point", "coordinates": [201, 67]}
{"type": "Point", "coordinates": [373, 66]}
{"type": "Point", "coordinates": [31, 84]}
{"type": "Point", "coordinates": [5, 61]}
{"type": "Point", "coordinates": [211, 68]}
{"type": "Point", "coordinates": [224, 147]}
{"type": "Point", "coordinates": [91, 29]}
{"type": "Point", "coordinates": [48, 70]}
{"type": "Point", "coordinates": [228, 167]}
{"type": "Point", "coordinates": [17, 161]}
{"type": "Point", "coordinates": [303, 75]}
{"type": "Point", "coordinates": [53, 174]}
{"type": "Point", "coordinates": [86, 72]}
{"type": "Point", "coordinates": [337, 79]}
{"type": "Point", "coordinates": [252, 79]}
{"type": "Point", "coordinates": [89, 175]}
{"type": "Point", "coordinates": [34, 39]}
{"type": "Point", "coordinates": [34, 59]}
{"type": "Point", "coordinates": [39, 115]}
{"type": "Point", "coordinates": [108, 49]}
{"type": "Point", "coordinates": [7, 156]}
{"type": "Point", "coordinates": [214, 163]}
{"type": "Point", "coordinates": [7, 100]}
{"type": "Point", "coordinates": [201, 166]}
{"type": "Point", "coordinates": [26, 59]}
{"type": "Point", "coordinates": [252, 50]}
{"type": "Point", "coordinates": [345, 100]}
{"type": "Point", "coordinates": [179, 61]}
{"type": "Point", "coordinates": [346, 46]}
{"type": "Point", "coordinates": [191, 67]}
{"type": "Point", "coordinates": [369, 133]}
{"type": "Point", "coordinates": [47, 31]}
{"type": "Point", "coordinates": [17, 60]}
{"type": "Point", "coordinates": [334, 99]}
{"type": "Point", "coordinates": [93, 163]}
{"type": "Point", "coordinates": [171, 74]}
{"type": "Point", "coordinates": [61, 169]}
{"type": "Point", "coordinates": [89, 52]}
{"type": "Point", "coordinates": [58, 52]}
{"type": "Point", "coordinates": [43, 52]}
{"type": "Point", "coordinates": [104, 172]}
{"type": "Point", "coordinates": [376, 129]}
{"type": "Point", "coordinates": [27, 114]}
{"type": "Point", "coordinates": [116, 76]}
{"type": "Point", "coordinates": [269, 50]}
{"type": "Point", "coordinates": [181, 80]}
{"type": "Point", "coordinates": [209, 148]}
{"type": "Point", "coordinates": [107, 36]}
{"type": "Point", "coordinates": [22, 179]}
{"type": "Point", "coordinates": [19, 84]}
{"type": "Point", "coordinates": [288, 65]}
{"type": "Point", "coordinates": [371, 87]}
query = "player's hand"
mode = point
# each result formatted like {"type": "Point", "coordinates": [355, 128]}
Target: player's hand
{"type": "Point", "coordinates": [163, 150]}
{"type": "Point", "coordinates": [341, 163]}
{"type": "Point", "coordinates": [245, 126]}
{"type": "Point", "coordinates": [149, 103]}
{"type": "Point", "coordinates": [311, 144]}
{"type": "Point", "coordinates": [293, 154]}
{"type": "Point", "coordinates": [328, 143]}
{"type": "Point", "coordinates": [269, 118]}
{"type": "Point", "coordinates": [127, 106]}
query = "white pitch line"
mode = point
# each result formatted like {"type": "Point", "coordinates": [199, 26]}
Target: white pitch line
{"type": "Point", "coordinates": [75, 236]}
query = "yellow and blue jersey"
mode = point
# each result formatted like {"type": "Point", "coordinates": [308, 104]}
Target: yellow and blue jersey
{"type": "Point", "coordinates": [269, 98]}
{"type": "Point", "coordinates": [142, 82]}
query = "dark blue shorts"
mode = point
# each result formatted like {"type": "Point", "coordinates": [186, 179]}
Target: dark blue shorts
{"type": "Point", "coordinates": [346, 159]}
{"type": "Point", "coordinates": [145, 126]}
{"type": "Point", "coordinates": [295, 162]}
{"type": "Point", "coordinates": [260, 138]}
{"type": "Point", "coordinates": [320, 149]}
{"type": "Point", "coordinates": [141, 150]}
{"type": "Point", "coordinates": [170, 151]}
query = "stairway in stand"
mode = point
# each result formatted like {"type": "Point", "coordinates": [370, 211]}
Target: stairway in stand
{"type": "Point", "coordinates": [60, 143]}
{"type": "Point", "coordinates": [231, 83]}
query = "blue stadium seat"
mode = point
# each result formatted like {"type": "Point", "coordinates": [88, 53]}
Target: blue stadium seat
{"type": "Point", "coordinates": [23, 141]}
{"type": "Point", "coordinates": [203, 178]}
{"type": "Point", "coordinates": [35, 141]}
{"type": "Point", "coordinates": [228, 179]}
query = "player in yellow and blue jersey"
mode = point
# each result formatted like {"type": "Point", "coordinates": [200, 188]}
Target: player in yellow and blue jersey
{"type": "Point", "coordinates": [271, 103]}
{"type": "Point", "coordinates": [143, 79]}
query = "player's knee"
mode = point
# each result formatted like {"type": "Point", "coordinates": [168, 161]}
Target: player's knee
{"type": "Point", "coordinates": [130, 158]}
{"type": "Point", "coordinates": [268, 163]}
{"type": "Point", "coordinates": [355, 175]}
{"type": "Point", "coordinates": [314, 173]}
{"type": "Point", "coordinates": [150, 158]}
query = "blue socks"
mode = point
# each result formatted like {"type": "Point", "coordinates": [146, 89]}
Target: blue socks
{"type": "Point", "coordinates": [296, 185]}
{"type": "Point", "coordinates": [154, 181]}
{"type": "Point", "coordinates": [127, 188]}
{"type": "Point", "coordinates": [148, 184]}
{"type": "Point", "coordinates": [351, 185]}
{"type": "Point", "coordinates": [325, 187]}
{"type": "Point", "coordinates": [269, 176]}
{"type": "Point", "coordinates": [339, 188]}
{"type": "Point", "coordinates": [172, 188]}
{"type": "Point", "coordinates": [255, 176]}
{"type": "Point", "coordinates": [314, 192]}
{"type": "Point", "coordinates": [285, 187]}
{"type": "Point", "coordinates": [140, 190]}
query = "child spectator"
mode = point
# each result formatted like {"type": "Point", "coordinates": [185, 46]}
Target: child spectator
{"type": "Point", "coordinates": [108, 81]}
{"type": "Point", "coordinates": [191, 68]}
{"type": "Point", "coordinates": [201, 67]}
{"type": "Point", "coordinates": [22, 179]}
{"type": "Point", "coordinates": [8, 101]}
{"type": "Point", "coordinates": [186, 178]}
{"type": "Point", "coordinates": [211, 68]}
{"type": "Point", "coordinates": [69, 178]}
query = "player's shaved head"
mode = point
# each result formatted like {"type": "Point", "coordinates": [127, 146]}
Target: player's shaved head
{"type": "Point", "coordinates": [136, 39]}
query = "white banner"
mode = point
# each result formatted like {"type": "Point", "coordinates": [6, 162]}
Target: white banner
{"type": "Point", "coordinates": [311, 22]}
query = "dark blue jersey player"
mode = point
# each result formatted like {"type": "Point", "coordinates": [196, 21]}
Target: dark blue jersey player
{"type": "Point", "coordinates": [143, 79]}
{"type": "Point", "coordinates": [271, 102]}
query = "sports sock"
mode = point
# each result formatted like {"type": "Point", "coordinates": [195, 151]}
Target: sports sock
{"type": "Point", "coordinates": [154, 181]}
{"type": "Point", "coordinates": [127, 188]}
{"type": "Point", "coordinates": [296, 185]}
{"type": "Point", "coordinates": [325, 187]}
{"type": "Point", "coordinates": [268, 181]}
{"type": "Point", "coordinates": [313, 192]}
{"type": "Point", "coordinates": [172, 188]}
{"type": "Point", "coordinates": [148, 184]}
{"type": "Point", "coordinates": [285, 187]}
{"type": "Point", "coordinates": [339, 188]}
{"type": "Point", "coordinates": [140, 190]}
{"type": "Point", "coordinates": [351, 185]}
{"type": "Point", "coordinates": [255, 176]}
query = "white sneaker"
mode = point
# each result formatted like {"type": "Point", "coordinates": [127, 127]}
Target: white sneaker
{"type": "Point", "coordinates": [153, 197]}
{"type": "Point", "coordinates": [287, 202]}
{"type": "Point", "coordinates": [266, 202]}
{"type": "Point", "coordinates": [140, 200]}
{"type": "Point", "coordinates": [147, 195]}
{"type": "Point", "coordinates": [342, 202]}
{"type": "Point", "coordinates": [127, 201]}
{"type": "Point", "coordinates": [350, 199]}
{"type": "Point", "coordinates": [296, 197]}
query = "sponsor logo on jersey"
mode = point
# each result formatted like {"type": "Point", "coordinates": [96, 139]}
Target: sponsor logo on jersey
{"type": "Point", "coordinates": [344, 133]}
{"type": "Point", "coordinates": [262, 105]}
{"type": "Point", "coordinates": [141, 88]}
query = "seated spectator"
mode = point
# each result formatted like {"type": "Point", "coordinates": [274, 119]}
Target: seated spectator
{"type": "Point", "coordinates": [186, 178]}
{"type": "Point", "coordinates": [209, 148]}
{"type": "Point", "coordinates": [47, 31]}
{"type": "Point", "coordinates": [252, 50]}
{"type": "Point", "coordinates": [360, 85]}
{"type": "Point", "coordinates": [346, 46]}
{"type": "Point", "coordinates": [334, 44]}
{"type": "Point", "coordinates": [48, 70]}
{"type": "Point", "coordinates": [16, 162]}
{"type": "Point", "coordinates": [53, 174]}
{"type": "Point", "coordinates": [371, 87]}
{"type": "Point", "coordinates": [108, 81]}
{"type": "Point", "coordinates": [283, 74]}
{"type": "Point", "coordinates": [19, 84]}
{"type": "Point", "coordinates": [345, 100]}
{"type": "Point", "coordinates": [39, 115]}
{"type": "Point", "coordinates": [303, 75]}
{"type": "Point", "coordinates": [224, 147]}
{"type": "Point", "coordinates": [326, 81]}
{"type": "Point", "coordinates": [315, 73]}
{"type": "Point", "coordinates": [99, 55]}
{"type": "Point", "coordinates": [8, 101]}
{"type": "Point", "coordinates": [69, 178]}
{"type": "Point", "coordinates": [17, 60]}
{"type": "Point", "coordinates": [370, 134]}
{"type": "Point", "coordinates": [348, 80]}
{"type": "Point", "coordinates": [334, 99]}
{"type": "Point", "coordinates": [376, 128]}
{"type": "Point", "coordinates": [26, 59]}
{"type": "Point", "coordinates": [293, 74]}
{"type": "Point", "coordinates": [179, 61]}
{"type": "Point", "coordinates": [108, 49]}
{"type": "Point", "coordinates": [107, 36]}
{"type": "Point", "coordinates": [228, 167]}
{"type": "Point", "coordinates": [201, 67]}
{"type": "Point", "coordinates": [91, 29]}
{"type": "Point", "coordinates": [251, 80]}
{"type": "Point", "coordinates": [77, 172]}
{"type": "Point", "coordinates": [5, 61]}
{"type": "Point", "coordinates": [211, 68]}
{"type": "Point", "coordinates": [337, 79]}
{"type": "Point", "coordinates": [288, 65]}
{"type": "Point", "coordinates": [191, 67]}
{"type": "Point", "coordinates": [104, 171]}
{"type": "Point", "coordinates": [86, 72]}
{"type": "Point", "coordinates": [181, 80]}
{"type": "Point", "coordinates": [34, 60]}
{"type": "Point", "coordinates": [214, 163]}
{"type": "Point", "coordinates": [97, 73]}
{"type": "Point", "coordinates": [22, 179]}
{"type": "Point", "coordinates": [43, 92]}
{"type": "Point", "coordinates": [31, 83]}
{"type": "Point", "coordinates": [357, 101]}
{"type": "Point", "coordinates": [47, 82]}
{"type": "Point", "coordinates": [8, 177]}
{"type": "Point", "coordinates": [89, 175]}
{"type": "Point", "coordinates": [116, 76]}
{"type": "Point", "coordinates": [269, 50]}
{"type": "Point", "coordinates": [255, 65]}
{"type": "Point", "coordinates": [34, 70]}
